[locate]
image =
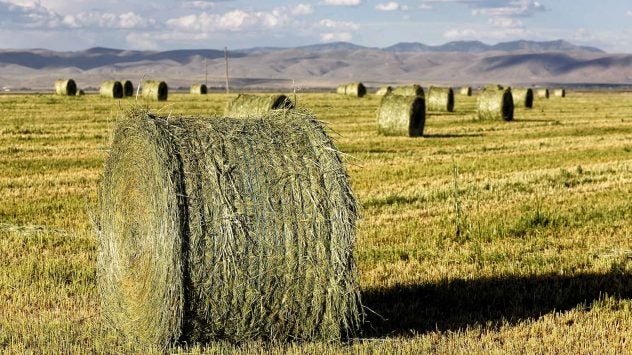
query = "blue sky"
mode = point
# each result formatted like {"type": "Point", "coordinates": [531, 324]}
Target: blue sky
{"type": "Point", "coordinates": [178, 24]}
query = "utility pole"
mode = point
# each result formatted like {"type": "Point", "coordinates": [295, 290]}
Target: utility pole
{"type": "Point", "coordinates": [226, 66]}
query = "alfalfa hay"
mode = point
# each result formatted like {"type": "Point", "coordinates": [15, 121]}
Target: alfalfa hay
{"type": "Point", "coordinates": [65, 87]}
{"type": "Point", "coordinates": [522, 97]}
{"type": "Point", "coordinates": [223, 228]}
{"type": "Point", "coordinates": [245, 105]}
{"type": "Point", "coordinates": [112, 89]}
{"type": "Point", "coordinates": [155, 90]}
{"type": "Point", "coordinates": [495, 104]}
{"type": "Point", "coordinates": [198, 89]}
{"type": "Point", "coordinates": [401, 115]}
{"type": "Point", "coordinates": [409, 90]}
{"type": "Point", "coordinates": [440, 99]}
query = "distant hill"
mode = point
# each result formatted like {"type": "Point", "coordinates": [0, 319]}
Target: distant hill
{"type": "Point", "coordinates": [325, 65]}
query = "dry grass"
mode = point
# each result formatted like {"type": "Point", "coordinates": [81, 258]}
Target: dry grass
{"type": "Point", "coordinates": [482, 237]}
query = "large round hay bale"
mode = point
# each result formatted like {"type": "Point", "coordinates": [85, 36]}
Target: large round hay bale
{"type": "Point", "coordinates": [245, 105]}
{"type": "Point", "coordinates": [199, 89]}
{"type": "Point", "coordinates": [384, 90]}
{"type": "Point", "coordinates": [355, 89]}
{"type": "Point", "coordinates": [522, 97]}
{"type": "Point", "coordinates": [543, 93]}
{"type": "Point", "coordinates": [409, 90]}
{"type": "Point", "coordinates": [440, 99]}
{"type": "Point", "coordinates": [155, 90]}
{"type": "Point", "coordinates": [65, 87]}
{"type": "Point", "coordinates": [400, 115]}
{"type": "Point", "coordinates": [466, 91]}
{"type": "Point", "coordinates": [128, 88]}
{"type": "Point", "coordinates": [341, 89]}
{"type": "Point", "coordinates": [225, 228]}
{"type": "Point", "coordinates": [561, 92]}
{"type": "Point", "coordinates": [495, 104]}
{"type": "Point", "coordinates": [112, 89]}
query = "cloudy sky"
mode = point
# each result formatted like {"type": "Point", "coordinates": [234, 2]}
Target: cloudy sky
{"type": "Point", "coordinates": [179, 24]}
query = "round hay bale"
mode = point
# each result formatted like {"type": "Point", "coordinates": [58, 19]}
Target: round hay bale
{"type": "Point", "coordinates": [245, 105]}
{"type": "Point", "coordinates": [466, 91]}
{"type": "Point", "coordinates": [440, 99]}
{"type": "Point", "coordinates": [409, 90]}
{"type": "Point", "coordinates": [401, 115]}
{"type": "Point", "coordinates": [522, 97]}
{"type": "Point", "coordinates": [199, 89]}
{"type": "Point", "coordinates": [128, 88]}
{"type": "Point", "coordinates": [355, 89]}
{"type": "Point", "coordinates": [495, 105]}
{"type": "Point", "coordinates": [155, 90]}
{"type": "Point", "coordinates": [341, 89]}
{"type": "Point", "coordinates": [222, 228]}
{"type": "Point", "coordinates": [543, 93]}
{"type": "Point", "coordinates": [65, 87]}
{"type": "Point", "coordinates": [561, 92]}
{"type": "Point", "coordinates": [384, 90]}
{"type": "Point", "coordinates": [80, 92]}
{"type": "Point", "coordinates": [112, 89]}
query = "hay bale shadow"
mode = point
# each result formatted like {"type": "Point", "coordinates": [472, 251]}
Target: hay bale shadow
{"type": "Point", "coordinates": [456, 304]}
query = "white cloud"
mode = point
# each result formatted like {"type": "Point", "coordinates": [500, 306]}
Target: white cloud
{"type": "Point", "coordinates": [497, 8]}
{"type": "Point", "coordinates": [629, 13]}
{"type": "Point", "coordinates": [335, 37]}
{"type": "Point", "coordinates": [342, 2]}
{"type": "Point", "coordinates": [389, 6]}
{"type": "Point", "coordinates": [339, 25]}
{"type": "Point", "coordinates": [505, 22]}
{"type": "Point", "coordinates": [232, 21]}
{"type": "Point", "coordinates": [128, 20]}
{"type": "Point", "coordinates": [302, 9]}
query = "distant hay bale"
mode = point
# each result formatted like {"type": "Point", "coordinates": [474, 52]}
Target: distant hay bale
{"type": "Point", "coordinates": [494, 104]}
{"type": "Point", "coordinates": [65, 87]}
{"type": "Point", "coordinates": [543, 93]}
{"type": "Point", "coordinates": [155, 90]}
{"type": "Point", "coordinates": [226, 229]}
{"type": "Point", "coordinates": [341, 89]}
{"type": "Point", "coordinates": [440, 99]}
{"type": "Point", "coordinates": [522, 97]}
{"type": "Point", "coordinates": [355, 89]}
{"type": "Point", "coordinates": [409, 90]}
{"type": "Point", "coordinates": [80, 92]}
{"type": "Point", "coordinates": [128, 88]}
{"type": "Point", "coordinates": [384, 90]}
{"type": "Point", "coordinates": [401, 115]}
{"type": "Point", "coordinates": [466, 91]}
{"type": "Point", "coordinates": [493, 86]}
{"type": "Point", "coordinates": [198, 89]}
{"type": "Point", "coordinates": [112, 89]}
{"type": "Point", "coordinates": [245, 105]}
{"type": "Point", "coordinates": [561, 92]}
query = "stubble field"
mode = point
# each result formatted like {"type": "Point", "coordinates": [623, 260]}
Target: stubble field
{"type": "Point", "coordinates": [483, 236]}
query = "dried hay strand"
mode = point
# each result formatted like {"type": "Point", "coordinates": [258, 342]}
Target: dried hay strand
{"type": "Point", "coordinates": [128, 88]}
{"type": "Point", "coordinates": [355, 89]}
{"type": "Point", "coordinates": [543, 93]}
{"type": "Point", "coordinates": [199, 89]}
{"type": "Point", "coordinates": [223, 228]}
{"type": "Point", "coordinates": [522, 97]}
{"type": "Point", "coordinates": [495, 104]}
{"type": "Point", "coordinates": [401, 115]}
{"type": "Point", "coordinates": [384, 90]}
{"type": "Point", "coordinates": [440, 99]}
{"type": "Point", "coordinates": [245, 105]}
{"type": "Point", "coordinates": [112, 89]}
{"type": "Point", "coordinates": [155, 90]}
{"type": "Point", "coordinates": [409, 90]}
{"type": "Point", "coordinates": [466, 91]}
{"type": "Point", "coordinates": [65, 87]}
{"type": "Point", "coordinates": [561, 92]}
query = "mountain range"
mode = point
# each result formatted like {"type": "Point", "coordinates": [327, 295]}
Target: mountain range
{"type": "Point", "coordinates": [324, 65]}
